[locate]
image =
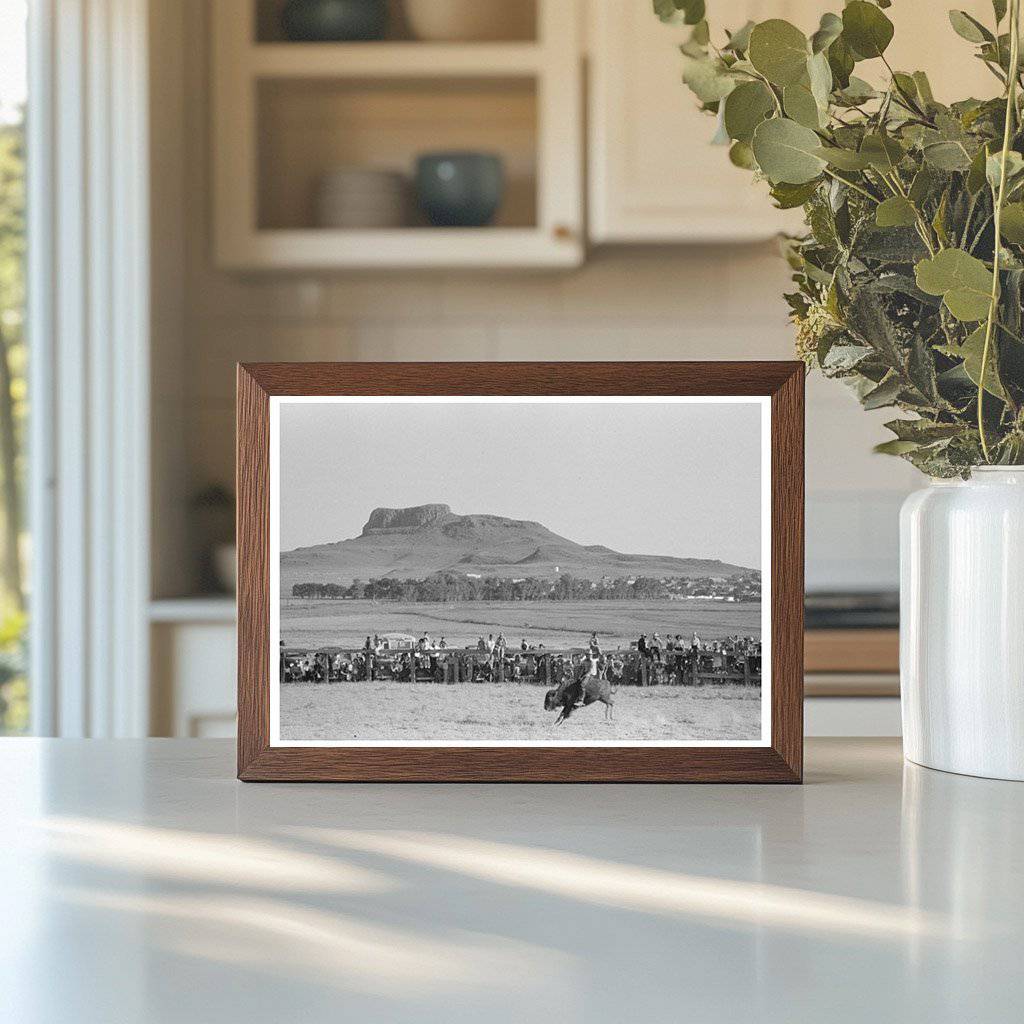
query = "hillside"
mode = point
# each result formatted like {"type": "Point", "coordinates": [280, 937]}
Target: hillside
{"type": "Point", "coordinates": [412, 543]}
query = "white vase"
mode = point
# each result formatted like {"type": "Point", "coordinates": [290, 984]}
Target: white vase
{"type": "Point", "coordinates": [962, 624]}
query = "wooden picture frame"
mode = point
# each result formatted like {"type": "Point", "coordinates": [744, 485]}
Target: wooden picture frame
{"type": "Point", "coordinates": [779, 759]}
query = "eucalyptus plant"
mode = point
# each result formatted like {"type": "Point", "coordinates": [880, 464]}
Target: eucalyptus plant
{"type": "Point", "coordinates": [910, 277]}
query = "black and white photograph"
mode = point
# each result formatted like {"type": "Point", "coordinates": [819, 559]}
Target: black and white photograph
{"type": "Point", "coordinates": [463, 571]}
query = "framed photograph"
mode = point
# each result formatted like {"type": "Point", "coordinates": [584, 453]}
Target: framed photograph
{"type": "Point", "coordinates": [574, 572]}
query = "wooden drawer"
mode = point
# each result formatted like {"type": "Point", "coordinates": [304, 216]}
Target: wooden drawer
{"type": "Point", "coordinates": [851, 663]}
{"type": "Point", "coordinates": [855, 651]}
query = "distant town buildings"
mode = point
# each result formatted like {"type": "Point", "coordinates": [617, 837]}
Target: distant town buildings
{"type": "Point", "coordinates": [470, 586]}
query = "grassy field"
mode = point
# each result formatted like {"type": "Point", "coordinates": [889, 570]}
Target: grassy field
{"type": "Point", "coordinates": [493, 711]}
{"type": "Point", "coordinates": [556, 624]}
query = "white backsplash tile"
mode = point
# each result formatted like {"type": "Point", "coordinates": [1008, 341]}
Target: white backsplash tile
{"type": "Point", "coordinates": [658, 303]}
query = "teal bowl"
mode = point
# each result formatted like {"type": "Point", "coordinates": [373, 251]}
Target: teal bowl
{"type": "Point", "coordinates": [334, 21]}
{"type": "Point", "coordinates": [460, 189]}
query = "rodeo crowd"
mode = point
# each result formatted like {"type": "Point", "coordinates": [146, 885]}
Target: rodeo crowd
{"type": "Point", "coordinates": [648, 661]}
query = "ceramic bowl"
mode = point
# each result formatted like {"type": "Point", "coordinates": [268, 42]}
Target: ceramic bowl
{"type": "Point", "coordinates": [333, 21]}
{"type": "Point", "coordinates": [460, 189]}
{"type": "Point", "coordinates": [359, 197]}
{"type": "Point", "coordinates": [470, 20]}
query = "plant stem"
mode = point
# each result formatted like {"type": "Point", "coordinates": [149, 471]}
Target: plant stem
{"type": "Point", "coordinates": [894, 183]}
{"type": "Point", "coordinates": [853, 185]}
{"type": "Point", "coordinates": [1011, 109]}
{"type": "Point", "coordinates": [775, 98]}
{"type": "Point", "coordinates": [910, 102]}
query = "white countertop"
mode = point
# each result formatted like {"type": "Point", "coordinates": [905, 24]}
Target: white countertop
{"type": "Point", "coordinates": [140, 882]}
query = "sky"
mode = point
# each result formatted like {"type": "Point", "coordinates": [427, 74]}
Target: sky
{"type": "Point", "coordinates": [651, 478]}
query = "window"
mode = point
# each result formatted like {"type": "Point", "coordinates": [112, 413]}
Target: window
{"type": "Point", "coordinates": [14, 692]}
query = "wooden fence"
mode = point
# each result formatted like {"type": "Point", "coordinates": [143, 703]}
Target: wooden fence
{"type": "Point", "coordinates": [538, 667]}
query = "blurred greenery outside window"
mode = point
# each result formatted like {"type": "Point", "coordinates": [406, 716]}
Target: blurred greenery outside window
{"type": "Point", "coordinates": [14, 539]}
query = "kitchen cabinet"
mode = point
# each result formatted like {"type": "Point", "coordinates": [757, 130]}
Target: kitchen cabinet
{"type": "Point", "coordinates": [286, 114]}
{"type": "Point", "coordinates": [653, 177]}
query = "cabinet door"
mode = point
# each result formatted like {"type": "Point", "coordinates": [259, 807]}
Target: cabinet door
{"type": "Point", "coordinates": [654, 176]}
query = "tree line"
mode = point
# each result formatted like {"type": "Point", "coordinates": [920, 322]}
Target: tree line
{"type": "Point", "coordinates": [452, 587]}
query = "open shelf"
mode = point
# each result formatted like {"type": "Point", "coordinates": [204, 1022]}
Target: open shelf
{"type": "Point", "coordinates": [520, 22]}
{"type": "Point", "coordinates": [389, 60]}
{"type": "Point", "coordinates": [285, 114]}
{"type": "Point", "coordinates": [406, 248]}
{"type": "Point", "coordinates": [308, 127]}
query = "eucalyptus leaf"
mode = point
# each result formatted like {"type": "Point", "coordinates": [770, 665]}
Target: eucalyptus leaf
{"type": "Point", "coordinates": [993, 167]}
{"type": "Point", "coordinates": [889, 246]}
{"type": "Point", "coordinates": [922, 185]}
{"type": "Point", "coordinates": [963, 281]}
{"type": "Point", "coordinates": [866, 29]}
{"type": "Point", "coordinates": [947, 156]}
{"type": "Point", "coordinates": [694, 10]}
{"type": "Point", "coordinates": [829, 30]}
{"type": "Point", "coordinates": [976, 175]}
{"type": "Point", "coordinates": [883, 395]}
{"type": "Point", "coordinates": [895, 447]}
{"type": "Point", "coordinates": [745, 108]}
{"type": "Point", "coordinates": [895, 212]}
{"type": "Point", "coordinates": [857, 91]}
{"type": "Point", "coordinates": [841, 62]}
{"type": "Point", "coordinates": [787, 152]}
{"type": "Point", "coordinates": [924, 87]}
{"type": "Point", "coordinates": [922, 431]}
{"type": "Point", "coordinates": [788, 196]}
{"type": "Point", "coordinates": [708, 80]}
{"type": "Point", "coordinates": [939, 219]}
{"type": "Point", "coordinates": [690, 12]}
{"type": "Point", "coordinates": [801, 106]}
{"type": "Point", "coordinates": [969, 28]}
{"type": "Point", "coordinates": [741, 155]}
{"type": "Point", "coordinates": [867, 319]}
{"type": "Point", "coordinates": [779, 51]}
{"type": "Point", "coordinates": [844, 159]}
{"type": "Point", "coordinates": [1012, 223]}
{"type": "Point", "coordinates": [905, 84]}
{"type": "Point", "coordinates": [843, 358]}
{"type": "Point", "coordinates": [972, 351]}
{"type": "Point", "coordinates": [666, 10]}
{"type": "Point", "coordinates": [819, 76]}
{"type": "Point", "coordinates": [701, 33]}
{"type": "Point", "coordinates": [883, 152]}
{"type": "Point", "coordinates": [739, 41]}
{"type": "Point", "coordinates": [921, 370]}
